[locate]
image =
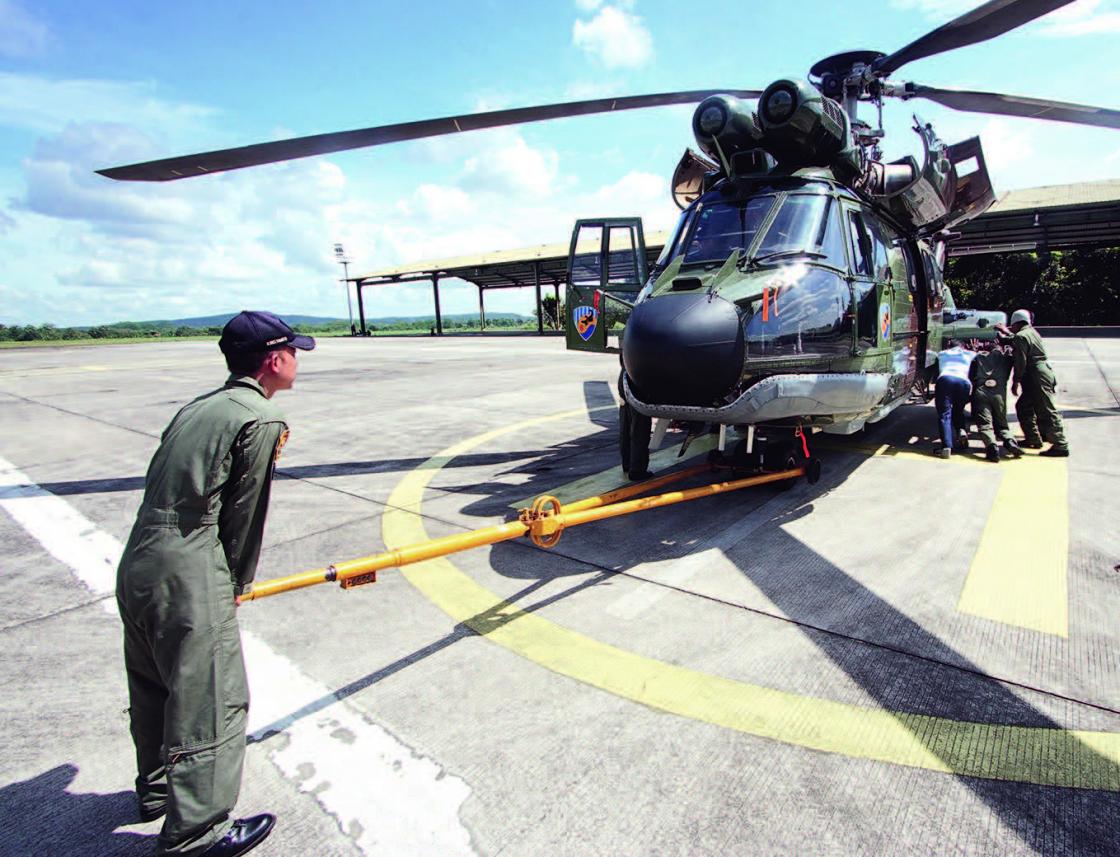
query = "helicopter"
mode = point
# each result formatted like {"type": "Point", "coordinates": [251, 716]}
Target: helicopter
{"type": "Point", "coordinates": [802, 288]}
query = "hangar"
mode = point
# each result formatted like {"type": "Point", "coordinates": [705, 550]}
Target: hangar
{"type": "Point", "coordinates": [1055, 217]}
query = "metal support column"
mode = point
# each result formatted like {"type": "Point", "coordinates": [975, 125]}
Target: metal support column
{"type": "Point", "coordinates": [481, 310]}
{"type": "Point", "coordinates": [435, 292]}
{"type": "Point", "coordinates": [556, 286]}
{"type": "Point", "coordinates": [540, 309]}
{"type": "Point", "coordinates": [361, 308]}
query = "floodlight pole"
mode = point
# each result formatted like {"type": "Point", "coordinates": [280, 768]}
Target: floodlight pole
{"type": "Point", "coordinates": [340, 255]}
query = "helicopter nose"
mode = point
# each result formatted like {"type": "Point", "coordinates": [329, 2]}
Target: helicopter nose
{"type": "Point", "coordinates": [683, 349]}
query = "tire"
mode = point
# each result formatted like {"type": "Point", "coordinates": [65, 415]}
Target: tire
{"type": "Point", "coordinates": [624, 435]}
{"type": "Point", "coordinates": [641, 427]}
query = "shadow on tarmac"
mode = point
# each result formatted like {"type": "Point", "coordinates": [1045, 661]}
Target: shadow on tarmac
{"type": "Point", "coordinates": [41, 817]}
{"type": "Point", "coordinates": [898, 663]}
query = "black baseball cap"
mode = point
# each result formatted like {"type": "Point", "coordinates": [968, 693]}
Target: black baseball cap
{"type": "Point", "coordinates": [252, 330]}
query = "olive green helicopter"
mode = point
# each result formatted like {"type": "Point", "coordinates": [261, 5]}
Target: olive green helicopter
{"type": "Point", "coordinates": [802, 288]}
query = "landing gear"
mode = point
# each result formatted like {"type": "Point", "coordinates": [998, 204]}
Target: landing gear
{"type": "Point", "coordinates": [634, 432]}
{"type": "Point", "coordinates": [770, 450]}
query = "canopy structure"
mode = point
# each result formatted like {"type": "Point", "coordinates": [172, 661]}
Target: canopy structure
{"type": "Point", "coordinates": [1036, 219]}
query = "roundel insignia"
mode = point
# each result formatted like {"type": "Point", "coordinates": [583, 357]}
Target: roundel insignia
{"type": "Point", "coordinates": [991, 382]}
{"type": "Point", "coordinates": [585, 318]}
{"type": "Point", "coordinates": [884, 321]}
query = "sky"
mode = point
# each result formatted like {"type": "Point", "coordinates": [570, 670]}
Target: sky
{"type": "Point", "coordinates": [92, 85]}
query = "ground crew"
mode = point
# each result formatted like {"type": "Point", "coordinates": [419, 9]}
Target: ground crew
{"type": "Point", "coordinates": [192, 552]}
{"type": "Point", "coordinates": [1036, 408]}
{"type": "Point", "coordinates": [989, 373]}
{"type": "Point", "coordinates": [951, 394]}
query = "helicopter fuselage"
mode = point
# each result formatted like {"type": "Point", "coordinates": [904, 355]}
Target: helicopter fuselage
{"type": "Point", "coordinates": [785, 298]}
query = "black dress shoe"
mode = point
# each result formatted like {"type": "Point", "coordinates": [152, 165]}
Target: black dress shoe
{"type": "Point", "coordinates": [1031, 444]}
{"type": "Point", "coordinates": [1012, 446]}
{"type": "Point", "coordinates": [152, 813]}
{"type": "Point", "coordinates": [245, 835]}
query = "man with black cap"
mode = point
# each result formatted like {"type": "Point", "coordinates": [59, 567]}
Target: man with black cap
{"type": "Point", "coordinates": [191, 555]}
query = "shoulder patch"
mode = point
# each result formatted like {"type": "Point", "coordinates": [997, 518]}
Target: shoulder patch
{"type": "Point", "coordinates": [283, 439]}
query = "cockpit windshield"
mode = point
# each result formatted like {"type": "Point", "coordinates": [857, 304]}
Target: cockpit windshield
{"type": "Point", "coordinates": [804, 224]}
{"type": "Point", "coordinates": [723, 227]}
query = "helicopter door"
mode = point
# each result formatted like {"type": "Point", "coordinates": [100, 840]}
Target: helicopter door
{"type": "Point", "coordinates": [606, 270]}
{"type": "Point", "coordinates": [893, 265]}
{"type": "Point", "coordinates": [868, 295]}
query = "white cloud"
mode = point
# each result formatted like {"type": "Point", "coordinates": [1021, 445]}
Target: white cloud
{"type": "Point", "coordinates": [46, 105]}
{"type": "Point", "coordinates": [510, 166]}
{"type": "Point", "coordinates": [1006, 144]}
{"type": "Point", "coordinates": [614, 37]}
{"type": "Point", "coordinates": [1084, 18]}
{"type": "Point", "coordinates": [21, 33]}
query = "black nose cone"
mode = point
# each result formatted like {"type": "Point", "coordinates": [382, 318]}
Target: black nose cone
{"type": "Point", "coordinates": [683, 349]}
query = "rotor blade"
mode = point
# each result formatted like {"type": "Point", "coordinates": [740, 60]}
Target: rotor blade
{"type": "Point", "coordinates": [170, 169]}
{"type": "Point", "coordinates": [1018, 105]}
{"type": "Point", "coordinates": [982, 23]}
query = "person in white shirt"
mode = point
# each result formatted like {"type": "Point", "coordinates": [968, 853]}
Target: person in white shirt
{"type": "Point", "coordinates": [951, 394]}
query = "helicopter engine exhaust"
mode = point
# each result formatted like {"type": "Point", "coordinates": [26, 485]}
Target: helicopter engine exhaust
{"type": "Point", "coordinates": [684, 349]}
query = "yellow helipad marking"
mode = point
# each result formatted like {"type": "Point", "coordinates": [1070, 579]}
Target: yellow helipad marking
{"type": "Point", "coordinates": [608, 480]}
{"type": "Point", "coordinates": [1077, 759]}
{"type": "Point", "coordinates": [1018, 575]}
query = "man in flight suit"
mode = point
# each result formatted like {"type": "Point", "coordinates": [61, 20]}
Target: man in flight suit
{"type": "Point", "coordinates": [1036, 408]}
{"type": "Point", "coordinates": [191, 555]}
{"type": "Point", "coordinates": [989, 373]}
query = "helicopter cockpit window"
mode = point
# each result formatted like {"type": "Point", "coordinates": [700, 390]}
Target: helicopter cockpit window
{"type": "Point", "coordinates": [622, 261]}
{"type": "Point", "coordinates": [804, 223]}
{"type": "Point", "coordinates": [862, 253]}
{"type": "Point", "coordinates": [587, 260]}
{"type": "Point", "coordinates": [672, 246]}
{"type": "Point", "coordinates": [724, 227]}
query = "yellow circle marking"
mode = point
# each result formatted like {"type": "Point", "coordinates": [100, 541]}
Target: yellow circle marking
{"type": "Point", "coordinates": [1046, 756]}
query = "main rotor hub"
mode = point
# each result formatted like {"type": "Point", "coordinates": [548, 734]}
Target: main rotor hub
{"type": "Point", "coordinates": [830, 73]}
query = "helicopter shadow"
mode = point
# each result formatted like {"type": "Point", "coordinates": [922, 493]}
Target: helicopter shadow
{"type": "Point", "coordinates": [42, 816]}
{"type": "Point", "coordinates": [927, 675]}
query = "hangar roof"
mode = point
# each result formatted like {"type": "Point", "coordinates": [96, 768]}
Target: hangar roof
{"type": "Point", "coordinates": [1050, 217]}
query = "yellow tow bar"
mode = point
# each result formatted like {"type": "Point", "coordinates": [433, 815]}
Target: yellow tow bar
{"type": "Point", "coordinates": [544, 523]}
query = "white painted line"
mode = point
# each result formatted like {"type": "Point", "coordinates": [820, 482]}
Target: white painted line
{"type": "Point", "coordinates": [387, 798]}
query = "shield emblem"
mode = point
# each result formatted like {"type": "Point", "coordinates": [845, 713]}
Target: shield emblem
{"type": "Point", "coordinates": [585, 319]}
{"type": "Point", "coordinates": [884, 322]}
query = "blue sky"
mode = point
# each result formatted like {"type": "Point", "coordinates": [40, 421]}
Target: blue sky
{"type": "Point", "coordinates": [86, 85]}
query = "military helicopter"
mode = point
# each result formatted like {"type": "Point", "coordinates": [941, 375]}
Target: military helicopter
{"type": "Point", "coordinates": [802, 287]}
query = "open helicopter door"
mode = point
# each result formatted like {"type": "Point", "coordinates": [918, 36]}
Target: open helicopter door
{"type": "Point", "coordinates": [606, 270]}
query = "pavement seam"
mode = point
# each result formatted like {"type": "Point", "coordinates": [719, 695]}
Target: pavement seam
{"type": "Point", "coordinates": [85, 417]}
{"type": "Point", "coordinates": [1097, 363]}
{"type": "Point", "coordinates": [64, 611]}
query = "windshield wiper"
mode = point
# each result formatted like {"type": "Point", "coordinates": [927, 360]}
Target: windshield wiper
{"type": "Point", "coordinates": [777, 255]}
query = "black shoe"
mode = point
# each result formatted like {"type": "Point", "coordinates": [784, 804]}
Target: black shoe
{"type": "Point", "coordinates": [1056, 452]}
{"type": "Point", "coordinates": [1031, 444]}
{"type": "Point", "coordinates": [993, 453]}
{"type": "Point", "coordinates": [1012, 446]}
{"type": "Point", "coordinates": [151, 813]}
{"type": "Point", "coordinates": [245, 835]}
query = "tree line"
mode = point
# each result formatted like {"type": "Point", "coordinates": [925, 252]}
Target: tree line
{"type": "Point", "coordinates": [1072, 287]}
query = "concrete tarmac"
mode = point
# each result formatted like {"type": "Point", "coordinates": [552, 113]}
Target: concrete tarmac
{"type": "Point", "coordinates": [913, 656]}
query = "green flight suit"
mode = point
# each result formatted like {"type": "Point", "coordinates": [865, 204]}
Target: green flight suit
{"type": "Point", "coordinates": [194, 546]}
{"type": "Point", "coordinates": [1036, 408]}
{"type": "Point", "coordinates": [989, 373]}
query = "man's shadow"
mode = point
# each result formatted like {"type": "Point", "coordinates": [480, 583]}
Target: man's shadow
{"type": "Point", "coordinates": [41, 816]}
